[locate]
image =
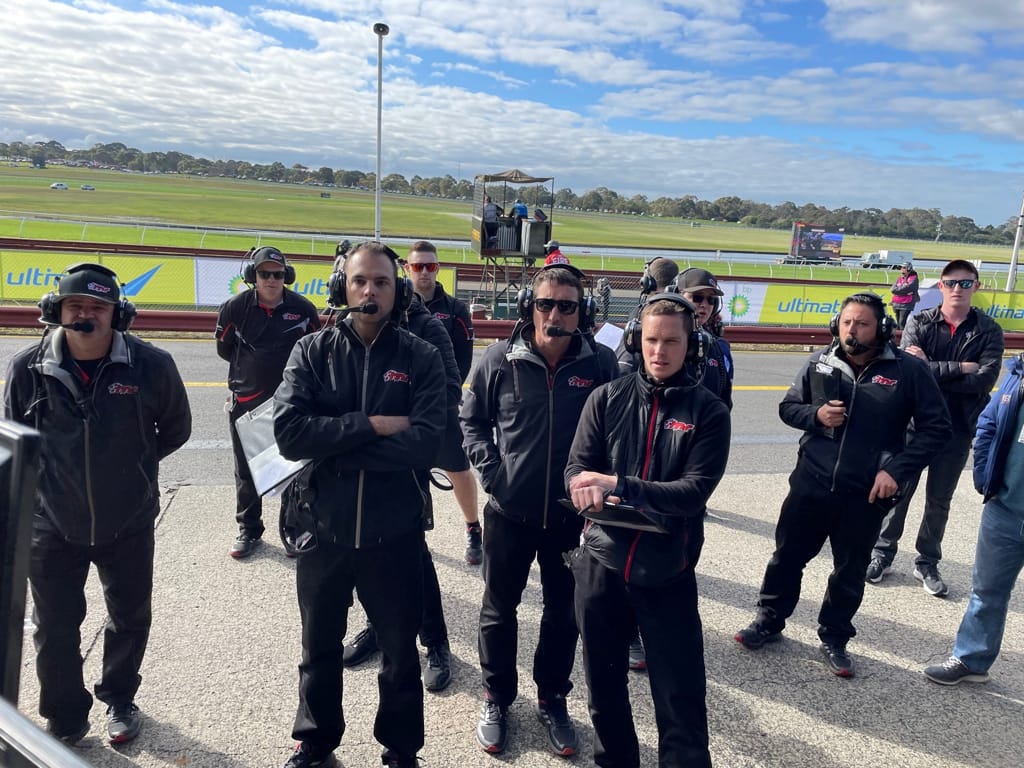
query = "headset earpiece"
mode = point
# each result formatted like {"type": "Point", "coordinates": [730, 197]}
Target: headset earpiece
{"type": "Point", "coordinates": [524, 304]}
{"type": "Point", "coordinates": [337, 296]}
{"type": "Point", "coordinates": [647, 282]}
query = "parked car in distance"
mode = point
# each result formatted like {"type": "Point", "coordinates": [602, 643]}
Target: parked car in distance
{"type": "Point", "coordinates": [58, 185]}
{"type": "Point", "coordinates": [88, 187]}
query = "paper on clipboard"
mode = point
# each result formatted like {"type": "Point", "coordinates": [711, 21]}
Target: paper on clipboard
{"type": "Point", "coordinates": [271, 472]}
{"type": "Point", "coordinates": [618, 515]}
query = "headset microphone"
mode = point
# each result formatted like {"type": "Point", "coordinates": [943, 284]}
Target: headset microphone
{"type": "Point", "coordinates": [854, 347]}
{"type": "Point", "coordinates": [85, 326]}
{"type": "Point", "coordinates": [556, 332]}
{"type": "Point", "coordinates": [369, 308]}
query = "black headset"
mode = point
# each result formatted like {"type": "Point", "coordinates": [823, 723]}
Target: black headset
{"type": "Point", "coordinates": [337, 295]}
{"type": "Point", "coordinates": [587, 306]}
{"type": "Point", "coordinates": [886, 324]}
{"type": "Point", "coordinates": [249, 268]}
{"type": "Point", "coordinates": [696, 343]}
{"type": "Point", "coordinates": [647, 282]}
{"type": "Point", "coordinates": [124, 310]}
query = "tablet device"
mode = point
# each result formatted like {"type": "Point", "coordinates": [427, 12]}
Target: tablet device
{"type": "Point", "coordinates": [618, 515]}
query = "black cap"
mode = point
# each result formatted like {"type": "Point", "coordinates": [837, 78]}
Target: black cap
{"type": "Point", "coordinates": [90, 280]}
{"type": "Point", "coordinates": [268, 253]}
{"type": "Point", "coordinates": [697, 279]}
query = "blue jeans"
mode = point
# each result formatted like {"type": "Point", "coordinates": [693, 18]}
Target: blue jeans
{"type": "Point", "coordinates": [997, 563]}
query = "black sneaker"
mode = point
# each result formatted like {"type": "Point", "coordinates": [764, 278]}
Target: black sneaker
{"type": "Point", "coordinates": [474, 545]}
{"type": "Point", "coordinates": [123, 723]}
{"type": "Point", "coordinates": [363, 647]}
{"type": "Point", "coordinates": [245, 545]}
{"type": "Point", "coordinates": [68, 735]}
{"type": "Point", "coordinates": [305, 757]}
{"type": "Point", "coordinates": [953, 672]}
{"type": "Point", "coordinates": [930, 579]}
{"type": "Point", "coordinates": [492, 727]}
{"type": "Point", "coordinates": [637, 655]}
{"type": "Point", "coordinates": [394, 760]}
{"type": "Point", "coordinates": [438, 673]}
{"type": "Point", "coordinates": [562, 733]}
{"type": "Point", "coordinates": [838, 659]}
{"type": "Point", "coordinates": [755, 636]}
{"type": "Point", "coordinates": [877, 569]}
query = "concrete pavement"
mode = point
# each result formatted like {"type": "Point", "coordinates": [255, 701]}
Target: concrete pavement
{"type": "Point", "coordinates": [219, 680]}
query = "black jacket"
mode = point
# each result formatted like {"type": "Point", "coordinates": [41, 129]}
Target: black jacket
{"type": "Point", "coordinates": [518, 420]}
{"type": "Point", "coordinates": [977, 339]}
{"type": "Point", "coordinates": [669, 445]}
{"type": "Point", "coordinates": [426, 326]}
{"type": "Point", "coordinates": [102, 441]}
{"type": "Point", "coordinates": [890, 390]}
{"type": "Point", "coordinates": [256, 342]}
{"type": "Point", "coordinates": [454, 316]}
{"type": "Point", "coordinates": [363, 488]}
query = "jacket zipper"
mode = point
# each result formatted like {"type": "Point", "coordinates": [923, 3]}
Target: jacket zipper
{"type": "Point", "coordinates": [849, 413]}
{"type": "Point", "coordinates": [551, 427]}
{"type": "Point", "coordinates": [88, 486]}
{"type": "Point", "coordinates": [649, 451]}
{"type": "Point", "coordinates": [362, 473]}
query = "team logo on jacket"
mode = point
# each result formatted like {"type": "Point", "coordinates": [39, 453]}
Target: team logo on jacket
{"type": "Point", "coordinates": [579, 381]}
{"type": "Point", "coordinates": [1005, 399]}
{"type": "Point", "coordinates": [713, 362]}
{"type": "Point", "coordinates": [122, 389]}
{"type": "Point", "coordinates": [678, 426]}
{"type": "Point", "coordinates": [442, 316]}
{"type": "Point", "coordinates": [291, 316]}
{"type": "Point", "coordinates": [885, 382]}
{"type": "Point", "coordinates": [393, 375]}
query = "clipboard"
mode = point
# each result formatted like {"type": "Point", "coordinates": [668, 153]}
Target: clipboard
{"type": "Point", "coordinates": [271, 472]}
{"type": "Point", "coordinates": [619, 516]}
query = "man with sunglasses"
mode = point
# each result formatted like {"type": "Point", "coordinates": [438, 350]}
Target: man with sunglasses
{"type": "Point", "coordinates": [700, 287]}
{"type": "Point", "coordinates": [964, 349]}
{"type": "Point", "coordinates": [454, 316]}
{"type": "Point", "coordinates": [256, 330]}
{"type": "Point", "coordinates": [519, 416]}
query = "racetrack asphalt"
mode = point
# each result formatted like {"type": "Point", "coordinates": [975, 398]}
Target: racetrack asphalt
{"type": "Point", "coordinates": [219, 680]}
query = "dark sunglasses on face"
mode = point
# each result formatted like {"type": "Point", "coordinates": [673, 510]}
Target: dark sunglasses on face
{"type": "Point", "coordinates": [965, 284]}
{"type": "Point", "coordinates": [428, 266]}
{"type": "Point", "coordinates": [565, 306]}
{"type": "Point", "coordinates": [701, 298]}
{"type": "Point", "coordinates": [270, 275]}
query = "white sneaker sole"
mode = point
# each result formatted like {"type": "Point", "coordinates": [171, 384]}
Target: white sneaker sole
{"type": "Point", "coordinates": [968, 678]}
{"type": "Point", "coordinates": [924, 585]}
{"type": "Point", "coordinates": [885, 572]}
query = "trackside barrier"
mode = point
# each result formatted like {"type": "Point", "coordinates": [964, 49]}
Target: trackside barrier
{"type": "Point", "coordinates": [205, 322]}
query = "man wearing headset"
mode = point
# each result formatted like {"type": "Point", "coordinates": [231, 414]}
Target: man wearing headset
{"type": "Point", "coordinates": [963, 348]}
{"type": "Point", "coordinates": [454, 316]}
{"type": "Point", "coordinates": [366, 401]}
{"type": "Point", "coordinates": [853, 401]}
{"type": "Point", "coordinates": [659, 441]}
{"type": "Point", "coordinates": [256, 330]}
{"type": "Point", "coordinates": [700, 288]}
{"type": "Point", "coordinates": [518, 418]}
{"type": "Point", "coordinates": [110, 407]}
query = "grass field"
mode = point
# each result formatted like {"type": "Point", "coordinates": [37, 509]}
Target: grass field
{"type": "Point", "coordinates": [130, 209]}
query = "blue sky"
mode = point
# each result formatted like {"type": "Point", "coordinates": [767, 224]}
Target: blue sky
{"type": "Point", "coordinates": [859, 103]}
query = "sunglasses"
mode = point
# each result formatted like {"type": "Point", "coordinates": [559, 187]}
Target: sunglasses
{"type": "Point", "coordinates": [565, 306]}
{"type": "Point", "coordinates": [430, 266]}
{"type": "Point", "coordinates": [965, 284]}
{"type": "Point", "coordinates": [270, 275]}
{"type": "Point", "coordinates": [702, 298]}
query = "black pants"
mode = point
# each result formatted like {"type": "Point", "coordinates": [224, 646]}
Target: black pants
{"type": "Point", "coordinates": [509, 551]}
{"type": "Point", "coordinates": [387, 579]}
{"type": "Point", "coordinates": [57, 576]}
{"type": "Point", "coordinates": [811, 515]}
{"type": "Point", "coordinates": [902, 314]}
{"type": "Point", "coordinates": [249, 504]}
{"type": "Point", "coordinates": [943, 476]}
{"type": "Point", "coordinates": [607, 611]}
{"type": "Point", "coordinates": [433, 629]}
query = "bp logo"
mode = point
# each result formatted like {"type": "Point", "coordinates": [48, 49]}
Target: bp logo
{"type": "Point", "coordinates": [237, 285]}
{"type": "Point", "coordinates": [739, 306]}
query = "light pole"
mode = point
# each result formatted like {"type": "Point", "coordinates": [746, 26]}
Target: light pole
{"type": "Point", "coordinates": [381, 30]}
{"type": "Point", "coordinates": [1011, 276]}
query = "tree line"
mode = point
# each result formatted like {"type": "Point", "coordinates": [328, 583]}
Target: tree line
{"type": "Point", "coordinates": [913, 223]}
